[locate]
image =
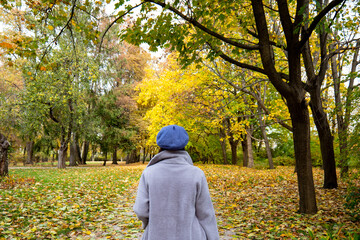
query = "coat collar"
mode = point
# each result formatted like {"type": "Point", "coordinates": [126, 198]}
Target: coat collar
{"type": "Point", "coordinates": [165, 155]}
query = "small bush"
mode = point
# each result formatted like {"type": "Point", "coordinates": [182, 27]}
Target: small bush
{"type": "Point", "coordinates": [284, 161]}
{"type": "Point", "coordinates": [352, 198]}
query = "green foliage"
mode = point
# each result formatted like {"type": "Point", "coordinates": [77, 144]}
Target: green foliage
{"type": "Point", "coordinates": [283, 143]}
{"type": "Point", "coordinates": [284, 161]}
{"type": "Point", "coordinates": [315, 151]}
{"type": "Point", "coordinates": [352, 197]}
{"type": "Point", "coordinates": [354, 139]}
{"type": "Point", "coordinates": [284, 148]}
{"type": "Point", "coordinates": [206, 148]}
{"type": "Point", "coordinates": [113, 119]}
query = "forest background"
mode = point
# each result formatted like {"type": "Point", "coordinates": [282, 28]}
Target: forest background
{"type": "Point", "coordinates": [257, 84]}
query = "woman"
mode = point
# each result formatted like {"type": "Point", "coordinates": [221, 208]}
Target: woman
{"type": "Point", "coordinates": [173, 199]}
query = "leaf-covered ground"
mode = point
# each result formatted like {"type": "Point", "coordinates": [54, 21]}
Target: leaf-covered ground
{"type": "Point", "coordinates": [96, 203]}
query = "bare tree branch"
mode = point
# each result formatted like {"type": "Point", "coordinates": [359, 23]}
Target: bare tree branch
{"type": "Point", "coordinates": [59, 34]}
{"type": "Point", "coordinates": [251, 93]}
{"type": "Point", "coordinates": [113, 22]}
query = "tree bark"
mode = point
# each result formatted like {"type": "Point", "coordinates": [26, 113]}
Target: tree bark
{"type": "Point", "coordinates": [53, 159]}
{"type": "Point", "coordinates": [114, 156]}
{"type": "Point", "coordinates": [4, 162]}
{"type": "Point", "coordinates": [266, 140]}
{"type": "Point", "coordinates": [105, 160]}
{"type": "Point", "coordinates": [245, 151]}
{"type": "Point", "coordinates": [62, 155]}
{"type": "Point", "coordinates": [85, 151]}
{"type": "Point", "coordinates": [250, 152]}
{"type": "Point", "coordinates": [301, 134]}
{"type": "Point", "coordinates": [73, 154]}
{"type": "Point", "coordinates": [233, 143]}
{"type": "Point", "coordinates": [78, 152]}
{"type": "Point", "coordinates": [233, 146]}
{"type": "Point", "coordinates": [314, 83]}
{"type": "Point", "coordinates": [93, 153]}
{"type": "Point", "coordinates": [326, 140]}
{"type": "Point", "coordinates": [145, 153]}
{"type": "Point", "coordinates": [30, 152]}
{"type": "Point", "coordinates": [132, 157]}
{"type": "Point", "coordinates": [222, 136]}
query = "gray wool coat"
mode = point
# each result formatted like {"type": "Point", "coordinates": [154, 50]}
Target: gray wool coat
{"type": "Point", "coordinates": [173, 200]}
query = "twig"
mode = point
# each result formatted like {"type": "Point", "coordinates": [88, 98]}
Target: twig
{"type": "Point", "coordinates": [113, 22]}
{"type": "Point", "coordinates": [62, 30]}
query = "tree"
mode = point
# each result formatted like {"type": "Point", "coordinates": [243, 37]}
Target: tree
{"type": "Point", "coordinates": [344, 46]}
{"type": "Point", "coordinates": [247, 83]}
{"type": "Point", "coordinates": [313, 86]}
{"type": "Point", "coordinates": [253, 26]}
{"type": "Point", "coordinates": [199, 99]}
{"type": "Point", "coordinates": [4, 164]}
{"type": "Point", "coordinates": [189, 98]}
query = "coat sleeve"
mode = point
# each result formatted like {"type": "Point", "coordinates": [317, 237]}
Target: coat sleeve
{"type": "Point", "coordinates": [205, 211]}
{"type": "Point", "coordinates": [141, 206]}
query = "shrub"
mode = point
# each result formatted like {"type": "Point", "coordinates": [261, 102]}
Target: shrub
{"type": "Point", "coordinates": [352, 197]}
{"type": "Point", "coordinates": [284, 161]}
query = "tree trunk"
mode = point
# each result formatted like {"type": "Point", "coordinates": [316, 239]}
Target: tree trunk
{"type": "Point", "coordinates": [114, 156]}
{"type": "Point", "coordinates": [301, 134]}
{"type": "Point", "coordinates": [145, 153]}
{"type": "Point", "coordinates": [293, 91]}
{"type": "Point", "coordinates": [85, 151]}
{"type": "Point", "coordinates": [343, 145]}
{"type": "Point", "coordinates": [4, 162]}
{"type": "Point", "coordinates": [62, 155]}
{"type": "Point", "coordinates": [73, 154]}
{"type": "Point", "coordinates": [326, 140]}
{"type": "Point", "coordinates": [78, 152]}
{"type": "Point", "coordinates": [105, 160]}
{"type": "Point", "coordinates": [53, 159]}
{"type": "Point", "coordinates": [223, 145]}
{"type": "Point", "coordinates": [93, 154]}
{"type": "Point", "coordinates": [30, 152]}
{"type": "Point", "coordinates": [245, 152]}
{"type": "Point", "coordinates": [234, 145]}
{"type": "Point", "coordinates": [343, 115]}
{"type": "Point", "coordinates": [266, 140]}
{"type": "Point", "coordinates": [132, 157]}
{"type": "Point", "coordinates": [250, 152]}
{"type": "Point", "coordinates": [342, 129]}
{"type": "Point", "coordinates": [314, 83]}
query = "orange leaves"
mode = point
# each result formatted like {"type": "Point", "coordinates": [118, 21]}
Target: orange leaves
{"type": "Point", "coordinates": [7, 45]}
{"type": "Point", "coordinates": [11, 182]}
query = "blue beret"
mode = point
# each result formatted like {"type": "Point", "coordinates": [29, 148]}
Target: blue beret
{"type": "Point", "coordinates": [172, 137]}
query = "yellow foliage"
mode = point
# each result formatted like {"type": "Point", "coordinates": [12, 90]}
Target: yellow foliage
{"type": "Point", "coordinates": [173, 95]}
